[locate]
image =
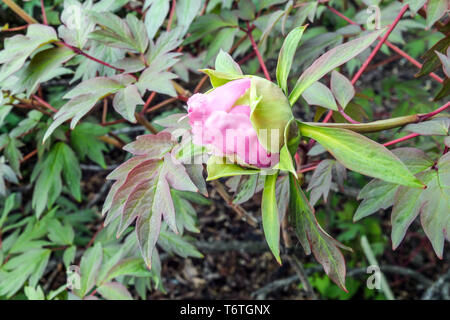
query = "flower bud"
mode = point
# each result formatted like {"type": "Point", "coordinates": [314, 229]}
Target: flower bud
{"type": "Point", "coordinates": [245, 119]}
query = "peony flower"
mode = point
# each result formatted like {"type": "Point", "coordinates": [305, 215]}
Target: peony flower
{"type": "Point", "coordinates": [223, 121]}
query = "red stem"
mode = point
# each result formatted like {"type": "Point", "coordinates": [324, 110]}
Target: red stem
{"type": "Point", "coordinates": [409, 136]}
{"type": "Point", "coordinates": [390, 45]}
{"type": "Point", "coordinates": [79, 51]}
{"type": "Point", "coordinates": [369, 59]}
{"type": "Point", "coordinates": [44, 103]}
{"type": "Point", "coordinates": [308, 169]}
{"type": "Point", "coordinates": [258, 54]}
{"type": "Point", "coordinates": [421, 118]}
{"type": "Point", "coordinates": [15, 28]}
{"type": "Point", "coordinates": [382, 40]}
{"type": "Point", "coordinates": [172, 11]}
{"type": "Point", "coordinates": [44, 15]}
{"type": "Point", "coordinates": [147, 103]}
{"type": "Point", "coordinates": [346, 116]}
{"type": "Point", "coordinates": [380, 43]}
{"type": "Point", "coordinates": [435, 112]}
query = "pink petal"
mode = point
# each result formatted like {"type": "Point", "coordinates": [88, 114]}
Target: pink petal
{"type": "Point", "coordinates": [216, 122]}
{"type": "Point", "coordinates": [200, 106]}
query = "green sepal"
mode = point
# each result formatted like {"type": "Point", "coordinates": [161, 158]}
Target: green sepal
{"type": "Point", "coordinates": [217, 167]}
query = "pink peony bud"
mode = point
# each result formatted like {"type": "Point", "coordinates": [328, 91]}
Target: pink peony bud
{"type": "Point", "coordinates": [217, 122]}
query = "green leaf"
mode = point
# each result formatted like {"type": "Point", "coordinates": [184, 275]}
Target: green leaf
{"type": "Point", "coordinates": [174, 243]}
{"type": "Point", "coordinates": [89, 268]}
{"type": "Point", "coordinates": [246, 10]}
{"type": "Point", "coordinates": [84, 96]}
{"type": "Point", "coordinates": [69, 255]}
{"type": "Point", "coordinates": [219, 167]}
{"type": "Point", "coordinates": [226, 64]}
{"type": "Point", "coordinates": [156, 80]}
{"type": "Point", "coordinates": [70, 170]}
{"type": "Point", "coordinates": [8, 206]}
{"type": "Point", "coordinates": [14, 155]}
{"type": "Point", "coordinates": [376, 195]}
{"type": "Point", "coordinates": [155, 16]}
{"type": "Point", "coordinates": [434, 213]}
{"type": "Point", "coordinates": [41, 67]}
{"type": "Point", "coordinates": [415, 5]}
{"type": "Point", "coordinates": [330, 60]}
{"type": "Point", "coordinates": [27, 124]}
{"type": "Point", "coordinates": [219, 78]}
{"type": "Point", "coordinates": [433, 127]}
{"type": "Point", "coordinates": [126, 100]}
{"type": "Point", "coordinates": [445, 90]}
{"type": "Point", "coordinates": [206, 24]}
{"type": "Point", "coordinates": [318, 94]}
{"type": "Point", "coordinates": [186, 11]}
{"type": "Point", "coordinates": [320, 182]}
{"type": "Point", "coordinates": [246, 189]}
{"type": "Point", "coordinates": [406, 208]}
{"type": "Point", "coordinates": [360, 154]}
{"type": "Point", "coordinates": [267, 23]}
{"type": "Point", "coordinates": [34, 294]}
{"type": "Point", "coordinates": [270, 219]}
{"type": "Point", "coordinates": [286, 56]}
{"type": "Point", "coordinates": [137, 28]}
{"type": "Point", "coordinates": [126, 34]}
{"type": "Point", "coordinates": [223, 41]}
{"type": "Point", "coordinates": [114, 291]}
{"type": "Point", "coordinates": [75, 23]}
{"type": "Point", "coordinates": [430, 58]}
{"type": "Point", "coordinates": [18, 48]}
{"type": "Point", "coordinates": [131, 267]}
{"type": "Point", "coordinates": [6, 173]}
{"type": "Point", "coordinates": [435, 10]}
{"type": "Point", "coordinates": [29, 265]}
{"type": "Point", "coordinates": [283, 194]}
{"type": "Point", "coordinates": [85, 142]}
{"type": "Point", "coordinates": [49, 185]}
{"type": "Point", "coordinates": [60, 234]}
{"type": "Point", "coordinates": [342, 88]}
{"type": "Point", "coordinates": [445, 60]}
{"type": "Point", "coordinates": [185, 213]}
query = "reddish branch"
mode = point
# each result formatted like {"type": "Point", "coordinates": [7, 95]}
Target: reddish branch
{"type": "Point", "coordinates": [172, 12]}
{"type": "Point", "coordinates": [44, 15]}
{"type": "Point", "coordinates": [421, 118]}
{"type": "Point", "coordinates": [147, 103]}
{"type": "Point", "coordinates": [81, 52]}
{"type": "Point", "coordinates": [369, 59]}
{"type": "Point", "coordinates": [308, 168]}
{"type": "Point", "coordinates": [105, 110]}
{"type": "Point", "coordinates": [28, 156]}
{"type": "Point", "coordinates": [409, 136]}
{"type": "Point", "coordinates": [15, 28]}
{"type": "Point", "coordinates": [435, 112]}
{"type": "Point", "coordinates": [380, 43]}
{"type": "Point", "coordinates": [258, 54]}
{"type": "Point", "coordinates": [44, 103]}
{"type": "Point", "coordinates": [390, 45]}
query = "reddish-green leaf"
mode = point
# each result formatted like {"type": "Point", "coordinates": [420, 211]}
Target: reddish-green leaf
{"type": "Point", "coordinates": [313, 237]}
